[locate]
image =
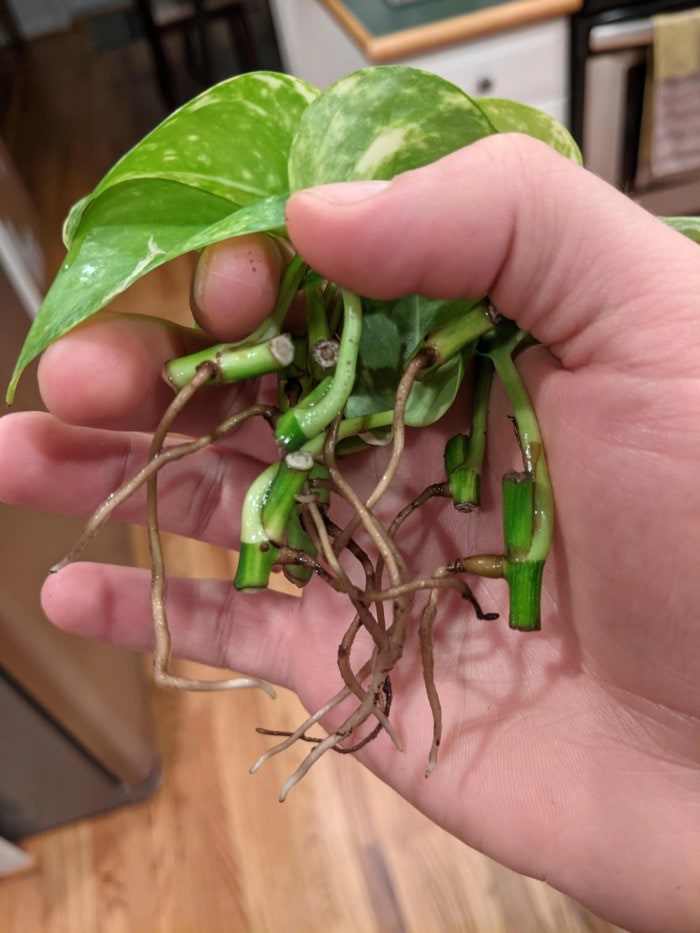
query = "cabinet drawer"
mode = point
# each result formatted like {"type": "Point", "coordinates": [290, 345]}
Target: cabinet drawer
{"type": "Point", "coordinates": [528, 64]}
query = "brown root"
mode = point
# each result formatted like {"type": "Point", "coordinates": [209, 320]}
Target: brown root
{"type": "Point", "coordinates": [315, 740]}
{"type": "Point", "coordinates": [162, 649]}
{"type": "Point", "coordinates": [382, 600]}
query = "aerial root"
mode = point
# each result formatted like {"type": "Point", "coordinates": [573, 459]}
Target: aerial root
{"type": "Point", "coordinates": [171, 681]}
{"type": "Point", "coordinates": [105, 510]}
{"type": "Point", "coordinates": [382, 601]}
{"type": "Point", "coordinates": [158, 458]}
{"type": "Point", "coordinates": [329, 742]}
{"type": "Point", "coordinates": [315, 740]}
{"type": "Point", "coordinates": [162, 650]}
{"type": "Point", "coordinates": [368, 600]}
{"type": "Point", "coordinates": [398, 442]}
{"type": "Point", "coordinates": [332, 741]}
{"type": "Point", "coordinates": [353, 683]}
{"type": "Point", "coordinates": [161, 458]}
{"type": "Point", "coordinates": [301, 730]}
{"type": "Point", "coordinates": [425, 634]}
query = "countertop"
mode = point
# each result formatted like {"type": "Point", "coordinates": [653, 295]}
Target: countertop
{"type": "Point", "coordinates": [386, 33]}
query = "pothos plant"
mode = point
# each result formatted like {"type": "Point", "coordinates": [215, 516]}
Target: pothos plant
{"type": "Point", "coordinates": [361, 371]}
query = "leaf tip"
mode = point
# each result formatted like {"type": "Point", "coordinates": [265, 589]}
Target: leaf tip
{"type": "Point", "coordinates": [12, 388]}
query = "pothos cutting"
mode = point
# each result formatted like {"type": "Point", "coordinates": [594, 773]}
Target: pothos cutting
{"type": "Point", "coordinates": [358, 374]}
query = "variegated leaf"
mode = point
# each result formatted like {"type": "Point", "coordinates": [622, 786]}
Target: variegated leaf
{"type": "Point", "coordinates": [688, 226]}
{"type": "Point", "coordinates": [120, 246]}
{"type": "Point", "coordinates": [510, 116]}
{"type": "Point", "coordinates": [380, 121]}
{"type": "Point", "coordinates": [232, 140]}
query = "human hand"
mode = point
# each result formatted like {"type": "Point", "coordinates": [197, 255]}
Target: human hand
{"type": "Point", "coordinates": [571, 754]}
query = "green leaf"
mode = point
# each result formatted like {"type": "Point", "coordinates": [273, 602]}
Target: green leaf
{"type": "Point", "coordinates": [232, 140]}
{"type": "Point", "coordinates": [239, 145]}
{"type": "Point", "coordinates": [380, 121]}
{"type": "Point", "coordinates": [431, 397]}
{"type": "Point", "coordinates": [688, 226]}
{"type": "Point", "coordinates": [181, 188]}
{"type": "Point", "coordinates": [391, 333]}
{"type": "Point", "coordinates": [510, 116]}
{"type": "Point", "coordinates": [135, 227]}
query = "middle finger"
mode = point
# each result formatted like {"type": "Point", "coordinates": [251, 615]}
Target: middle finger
{"type": "Point", "coordinates": [45, 464]}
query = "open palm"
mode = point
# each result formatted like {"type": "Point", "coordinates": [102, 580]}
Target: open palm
{"type": "Point", "coordinates": [570, 754]}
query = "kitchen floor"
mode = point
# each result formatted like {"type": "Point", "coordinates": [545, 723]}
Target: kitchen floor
{"type": "Point", "coordinates": [212, 850]}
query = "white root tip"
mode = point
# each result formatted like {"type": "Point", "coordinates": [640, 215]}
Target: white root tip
{"type": "Point", "coordinates": [257, 766]}
{"type": "Point", "coordinates": [287, 786]}
{"type": "Point", "coordinates": [60, 565]}
{"type": "Point", "coordinates": [432, 761]}
{"type": "Point", "coordinates": [171, 682]}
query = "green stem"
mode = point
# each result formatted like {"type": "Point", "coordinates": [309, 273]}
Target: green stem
{"type": "Point", "coordinates": [299, 539]}
{"type": "Point", "coordinates": [464, 329]}
{"type": "Point", "coordinates": [234, 362]}
{"type": "Point", "coordinates": [464, 462]}
{"type": "Point", "coordinates": [309, 418]}
{"type": "Point", "coordinates": [525, 587]}
{"type": "Point", "coordinates": [518, 491]}
{"type": "Point", "coordinates": [317, 394]}
{"type": "Point", "coordinates": [257, 553]}
{"type": "Point", "coordinates": [317, 319]}
{"type": "Point", "coordinates": [523, 569]}
{"type": "Point", "coordinates": [317, 327]}
{"type": "Point", "coordinates": [352, 427]}
{"type": "Point", "coordinates": [531, 445]}
{"type": "Point", "coordinates": [294, 382]}
{"type": "Point", "coordinates": [281, 496]}
{"type": "Point", "coordinates": [456, 450]}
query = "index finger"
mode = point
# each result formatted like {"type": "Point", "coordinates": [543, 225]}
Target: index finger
{"type": "Point", "coordinates": [107, 371]}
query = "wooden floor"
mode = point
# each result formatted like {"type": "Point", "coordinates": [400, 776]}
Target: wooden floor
{"type": "Point", "coordinates": [212, 850]}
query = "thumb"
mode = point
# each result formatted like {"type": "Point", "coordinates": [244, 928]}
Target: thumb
{"type": "Point", "coordinates": [574, 262]}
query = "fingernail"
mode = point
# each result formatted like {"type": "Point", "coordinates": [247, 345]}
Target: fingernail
{"type": "Point", "coordinates": [348, 192]}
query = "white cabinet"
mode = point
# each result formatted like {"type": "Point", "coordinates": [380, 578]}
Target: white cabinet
{"type": "Point", "coordinates": [530, 64]}
{"type": "Point", "coordinates": [312, 44]}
